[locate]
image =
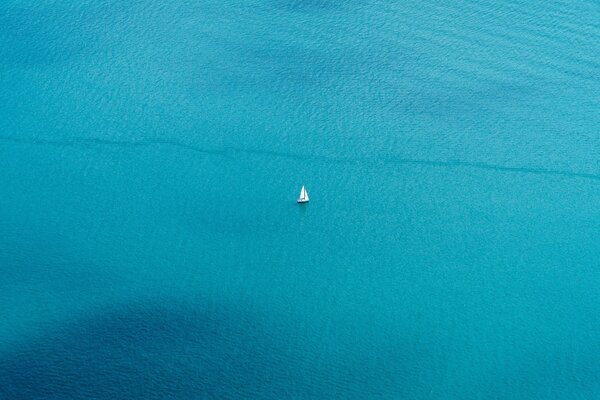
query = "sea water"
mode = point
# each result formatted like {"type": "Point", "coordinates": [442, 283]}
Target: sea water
{"type": "Point", "coordinates": [151, 154]}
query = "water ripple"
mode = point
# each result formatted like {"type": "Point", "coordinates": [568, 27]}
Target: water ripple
{"type": "Point", "coordinates": [228, 151]}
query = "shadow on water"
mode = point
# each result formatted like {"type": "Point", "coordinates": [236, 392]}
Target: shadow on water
{"type": "Point", "coordinates": [302, 208]}
{"type": "Point", "coordinates": [179, 351]}
{"type": "Point", "coordinates": [143, 352]}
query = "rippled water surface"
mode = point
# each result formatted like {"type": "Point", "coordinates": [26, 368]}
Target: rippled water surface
{"type": "Point", "coordinates": [151, 154]}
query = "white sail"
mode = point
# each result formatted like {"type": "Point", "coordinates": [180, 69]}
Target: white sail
{"type": "Point", "coordinates": [303, 195]}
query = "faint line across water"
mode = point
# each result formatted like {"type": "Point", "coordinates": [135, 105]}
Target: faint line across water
{"type": "Point", "coordinates": [80, 141]}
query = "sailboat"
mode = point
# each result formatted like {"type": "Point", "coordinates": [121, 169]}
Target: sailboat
{"type": "Point", "coordinates": [303, 195]}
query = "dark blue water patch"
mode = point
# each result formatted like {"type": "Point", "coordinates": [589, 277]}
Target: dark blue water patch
{"type": "Point", "coordinates": [166, 349]}
{"type": "Point", "coordinates": [44, 35]}
{"type": "Point", "coordinates": [33, 35]}
{"type": "Point", "coordinates": [150, 351]}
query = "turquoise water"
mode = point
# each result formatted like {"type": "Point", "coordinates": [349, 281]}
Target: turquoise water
{"type": "Point", "coordinates": [150, 158]}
